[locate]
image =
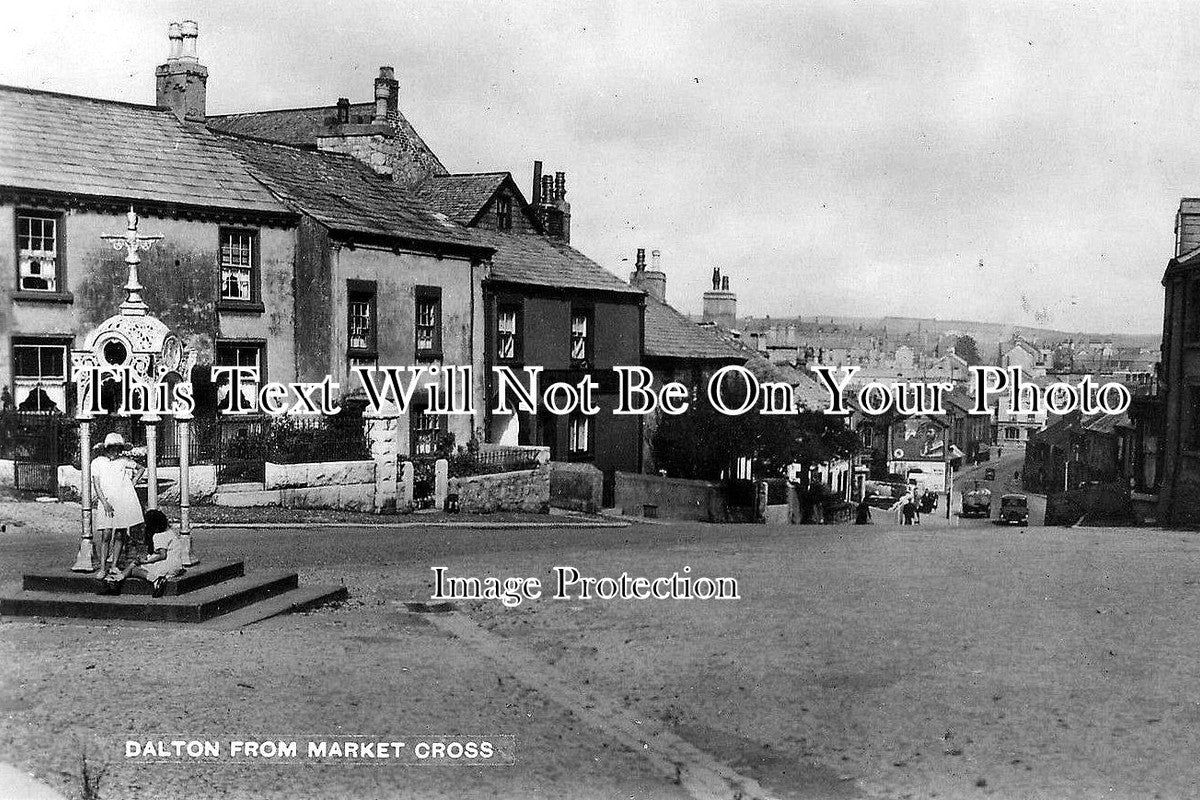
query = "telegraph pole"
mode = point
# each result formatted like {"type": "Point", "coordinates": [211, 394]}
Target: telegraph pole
{"type": "Point", "coordinates": [946, 465]}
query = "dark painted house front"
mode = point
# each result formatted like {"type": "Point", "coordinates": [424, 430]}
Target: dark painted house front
{"type": "Point", "coordinates": [1179, 495]}
{"type": "Point", "coordinates": [546, 304]}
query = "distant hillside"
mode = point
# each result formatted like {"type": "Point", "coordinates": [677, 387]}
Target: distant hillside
{"type": "Point", "coordinates": [986, 334]}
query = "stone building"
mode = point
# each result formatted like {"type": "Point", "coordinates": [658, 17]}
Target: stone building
{"type": "Point", "coordinates": [674, 347]}
{"type": "Point", "coordinates": [72, 168]}
{"type": "Point", "coordinates": [305, 242]}
{"type": "Point", "coordinates": [498, 271]}
{"type": "Point", "coordinates": [546, 304]}
{"type": "Point", "coordinates": [386, 283]}
{"type": "Point", "coordinates": [1179, 494]}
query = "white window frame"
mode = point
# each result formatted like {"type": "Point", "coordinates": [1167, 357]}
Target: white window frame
{"type": "Point", "coordinates": [579, 435]}
{"type": "Point", "coordinates": [237, 259]}
{"type": "Point", "coordinates": [32, 261]}
{"type": "Point", "coordinates": [506, 334]}
{"type": "Point", "coordinates": [579, 335]}
{"type": "Point", "coordinates": [359, 312]}
{"type": "Point", "coordinates": [52, 384]}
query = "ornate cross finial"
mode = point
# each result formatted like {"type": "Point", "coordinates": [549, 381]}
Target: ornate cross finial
{"type": "Point", "coordinates": [133, 306]}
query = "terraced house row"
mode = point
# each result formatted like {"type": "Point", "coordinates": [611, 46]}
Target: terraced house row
{"type": "Point", "coordinates": [305, 242]}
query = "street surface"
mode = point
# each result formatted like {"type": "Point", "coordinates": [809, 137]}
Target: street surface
{"type": "Point", "coordinates": [1011, 462]}
{"type": "Point", "coordinates": [860, 661]}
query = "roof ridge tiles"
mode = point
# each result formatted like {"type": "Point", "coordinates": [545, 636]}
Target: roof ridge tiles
{"type": "Point", "coordinates": [309, 148]}
{"type": "Point", "coordinates": [283, 110]}
{"type": "Point", "coordinates": [67, 96]}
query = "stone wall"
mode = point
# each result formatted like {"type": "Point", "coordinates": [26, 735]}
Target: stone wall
{"type": "Point", "coordinates": [673, 498]}
{"type": "Point", "coordinates": [202, 482]}
{"type": "Point", "coordinates": [576, 487]}
{"type": "Point", "coordinates": [325, 473]}
{"type": "Point", "coordinates": [527, 490]}
{"type": "Point", "coordinates": [344, 485]}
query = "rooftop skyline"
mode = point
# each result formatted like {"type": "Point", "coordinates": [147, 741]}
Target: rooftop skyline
{"type": "Point", "coordinates": [1000, 162]}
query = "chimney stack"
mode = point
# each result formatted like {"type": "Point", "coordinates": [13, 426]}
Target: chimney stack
{"type": "Point", "coordinates": [181, 83]}
{"type": "Point", "coordinates": [536, 197]}
{"type": "Point", "coordinates": [720, 305]}
{"type": "Point", "coordinates": [550, 202]}
{"type": "Point", "coordinates": [387, 94]}
{"type": "Point", "coordinates": [651, 281]}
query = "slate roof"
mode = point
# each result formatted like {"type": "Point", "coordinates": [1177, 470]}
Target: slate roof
{"type": "Point", "coordinates": [343, 194]}
{"type": "Point", "coordinates": [104, 148]}
{"type": "Point", "coordinates": [460, 197]}
{"type": "Point", "coordinates": [302, 126]}
{"type": "Point", "coordinates": [670, 334]}
{"type": "Point", "coordinates": [542, 261]}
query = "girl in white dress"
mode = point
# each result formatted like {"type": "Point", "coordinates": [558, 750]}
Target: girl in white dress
{"type": "Point", "coordinates": [166, 559]}
{"type": "Point", "coordinates": [113, 478]}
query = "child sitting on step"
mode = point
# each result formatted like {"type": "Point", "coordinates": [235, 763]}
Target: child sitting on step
{"type": "Point", "coordinates": [165, 562]}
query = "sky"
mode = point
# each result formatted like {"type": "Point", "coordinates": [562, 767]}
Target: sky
{"type": "Point", "coordinates": [1005, 162]}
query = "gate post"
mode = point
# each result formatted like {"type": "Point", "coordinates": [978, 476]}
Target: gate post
{"type": "Point", "coordinates": [85, 561]}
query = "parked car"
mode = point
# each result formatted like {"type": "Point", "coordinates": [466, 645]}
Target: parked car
{"type": "Point", "coordinates": [977, 502]}
{"type": "Point", "coordinates": [989, 474]}
{"type": "Point", "coordinates": [1014, 508]}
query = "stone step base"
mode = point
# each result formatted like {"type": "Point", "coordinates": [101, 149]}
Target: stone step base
{"type": "Point", "coordinates": [195, 606]}
{"type": "Point", "coordinates": [302, 598]}
{"type": "Point", "coordinates": [197, 577]}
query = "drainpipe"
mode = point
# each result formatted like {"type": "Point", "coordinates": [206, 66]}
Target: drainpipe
{"type": "Point", "coordinates": [471, 350]}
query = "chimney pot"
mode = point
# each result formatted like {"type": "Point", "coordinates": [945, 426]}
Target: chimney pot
{"type": "Point", "coordinates": [175, 34]}
{"type": "Point", "coordinates": [655, 255]}
{"type": "Point", "coordinates": [536, 198]}
{"type": "Point", "coordinates": [640, 264]}
{"type": "Point", "coordinates": [560, 185]}
{"type": "Point", "coordinates": [343, 110]}
{"type": "Point", "coordinates": [547, 189]}
{"type": "Point", "coordinates": [190, 31]}
{"type": "Point", "coordinates": [724, 283]}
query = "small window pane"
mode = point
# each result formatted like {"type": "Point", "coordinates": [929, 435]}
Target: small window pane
{"type": "Point", "coordinates": [25, 359]}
